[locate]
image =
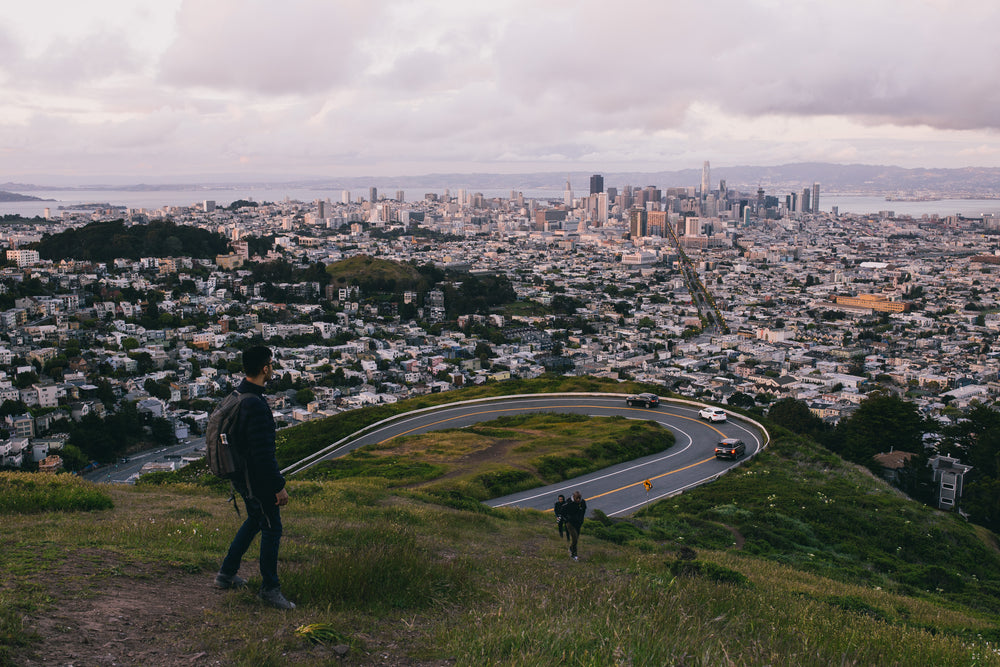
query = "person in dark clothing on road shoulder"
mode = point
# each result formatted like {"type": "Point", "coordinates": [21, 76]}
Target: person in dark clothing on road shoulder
{"type": "Point", "coordinates": [265, 494]}
{"type": "Point", "coordinates": [574, 511]}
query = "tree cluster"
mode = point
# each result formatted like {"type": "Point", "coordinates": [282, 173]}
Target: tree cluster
{"type": "Point", "coordinates": [477, 294]}
{"type": "Point", "coordinates": [107, 241]}
{"type": "Point", "coordinates": [106, 439]}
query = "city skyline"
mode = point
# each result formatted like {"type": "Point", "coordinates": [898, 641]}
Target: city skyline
{"type": "Point", "coordinates": [171, 90]}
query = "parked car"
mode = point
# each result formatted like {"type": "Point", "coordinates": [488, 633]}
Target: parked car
{"type": "Point", "coordinates": [713, 414]}
{"type": "Point", "coordinates": [645, 400]}
{"type": "Point", "coordinates": [730, 448]}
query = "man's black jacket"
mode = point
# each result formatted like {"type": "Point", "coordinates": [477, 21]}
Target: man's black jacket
{"type": "Point", "coordinates": [255, 429]}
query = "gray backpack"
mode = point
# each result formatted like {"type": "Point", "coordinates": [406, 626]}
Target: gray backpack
{"type": "Point", "coordinates": [225, 459]}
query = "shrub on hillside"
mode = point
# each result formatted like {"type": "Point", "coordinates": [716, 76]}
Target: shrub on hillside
{"type": "Point", "coordinates": [708, 570]}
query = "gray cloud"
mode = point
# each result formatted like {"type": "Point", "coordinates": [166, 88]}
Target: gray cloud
{"type": "Point", "coordinates": [83, 62]}
{"type": "Point", "coordinates": [869, 60]}
{"type": "Point", "coordinates": [387, 84]}
{"type": "Point", "coordinates": [268, 48]}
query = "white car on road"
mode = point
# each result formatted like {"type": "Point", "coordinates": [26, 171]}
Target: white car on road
{"type": "Point", "coordinates": [713, 414]}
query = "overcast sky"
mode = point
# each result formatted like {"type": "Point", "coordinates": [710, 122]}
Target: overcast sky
{"type": "Point", "coordinates": [166, 90]}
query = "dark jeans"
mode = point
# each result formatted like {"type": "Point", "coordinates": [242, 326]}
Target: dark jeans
{"type": "Point", "coordinates": [264, 518]}
{"type": "Point", "coordinates": [574, 537]}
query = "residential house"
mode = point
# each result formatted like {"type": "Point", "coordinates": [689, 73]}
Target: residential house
{"type": "Point", "coordinates": [949, 474]}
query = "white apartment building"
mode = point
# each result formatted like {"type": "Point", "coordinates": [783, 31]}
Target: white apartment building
{"type": "Point", "coordinates": [23, 257]}
{"type": "Point", "coordinates": [48, 395]}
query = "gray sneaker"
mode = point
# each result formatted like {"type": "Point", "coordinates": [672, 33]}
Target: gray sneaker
{"type": "Point", "coordinates": [229, 581]}
{"type": "Point", "coordinates": [274, 598]}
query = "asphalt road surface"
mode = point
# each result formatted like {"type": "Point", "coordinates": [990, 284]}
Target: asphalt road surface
{"type": "Point", "coordinates": [127, 470]}
{"type": "Point", "coordinates": [616, 491]}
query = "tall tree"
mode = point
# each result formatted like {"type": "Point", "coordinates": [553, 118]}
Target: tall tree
{"type": "Point", "coordinates": [882, 423]}
{"type": "Point", "coordinates": [981, 500]}
{"type": "Point", "coordinates": [975, 439]}
{"type": "Point", "coordinates": [795, 415]}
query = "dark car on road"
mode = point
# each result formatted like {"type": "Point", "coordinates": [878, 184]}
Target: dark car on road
{"type": "Point", "coordinates": [730, 448]}
{"type": "Point", "coordinates": [645, 400]}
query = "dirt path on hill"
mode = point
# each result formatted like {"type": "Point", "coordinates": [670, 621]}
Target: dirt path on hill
{"type": "Point", "coordinates": [737, 536]}
{"type": "Point", "coordinates": [135, 619]}
{"type": "Point", "coordinates": [144, 618]}
{"type": "Point", "coordinates": [496, 452]}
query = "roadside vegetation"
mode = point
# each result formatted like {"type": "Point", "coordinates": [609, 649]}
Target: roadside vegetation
{"type": "Point", "coordinates": [503, 456]}
{"type": "Point", "coordinates": [797, 557]}
{"type": "Point", "coordinates": [300, 441]}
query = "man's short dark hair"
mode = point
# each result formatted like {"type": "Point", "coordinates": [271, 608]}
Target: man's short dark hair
{"type": "Point", "coordinates": [254, 360]}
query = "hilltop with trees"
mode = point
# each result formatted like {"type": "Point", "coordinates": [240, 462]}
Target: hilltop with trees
{"type": "Point", "coordinates": [107, 241]}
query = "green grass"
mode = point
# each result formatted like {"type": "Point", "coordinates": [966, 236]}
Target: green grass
{"type": "Point", "coordinates": [518, 452]}
{"type": "Point", "coordinates": [839, 521]}
{"type": "Point", "coordinates": [29, 494]}
{"type": "Point", "coordinates": [407, 568]}
{"type": "Point", "coordinates": [298, 442]}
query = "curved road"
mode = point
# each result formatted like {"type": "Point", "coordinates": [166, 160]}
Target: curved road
{"type": "Point", "coordinates": [618, 490]}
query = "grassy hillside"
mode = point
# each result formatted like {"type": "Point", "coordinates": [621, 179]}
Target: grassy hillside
{"type": "Point", "coordinates": [366, 270]}
{"type": "Point", "coordinates": [800, 505]}
{"type": "Point", "coordinates": [796, 558]}
{"type": "Point", "coordinates": [509, 454]}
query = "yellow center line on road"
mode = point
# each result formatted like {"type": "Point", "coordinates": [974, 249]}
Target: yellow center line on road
{"type": "Point", "coordinates": [629, 486]}
{"type": "Point", "coordinates": [549, 407]}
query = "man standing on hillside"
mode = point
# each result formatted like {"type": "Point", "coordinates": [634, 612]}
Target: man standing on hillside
{"type": "Point", "coordinates": [574, 511]}
{"type": "Point", "coordinates": [255, 437]}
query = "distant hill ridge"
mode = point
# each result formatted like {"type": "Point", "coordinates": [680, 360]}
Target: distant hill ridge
{"type": "Point", "coordinates": [6, 196]}
{"type": "Point", "coordinates": [843, 178]}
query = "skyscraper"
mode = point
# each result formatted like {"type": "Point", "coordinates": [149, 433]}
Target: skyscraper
{"type": "Point", "coordinates": [637, 222]}
{"type": "Point", "coordinates": [706, 179]}
{"type": "Point", "coordinates": [596, 184]}
{"type": "Point", "coordinates": [654, 194]}
{"type": "Point", "coordinates": [568, 194]}
{"type": "Point", "coordinates": [373, 194]}
{"type": "Point", "coordinates": [710, 208]}
{"type": "Point", "coordinates": [656, 223]}
{"type": "Point", "coordinates": [815, 198]}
